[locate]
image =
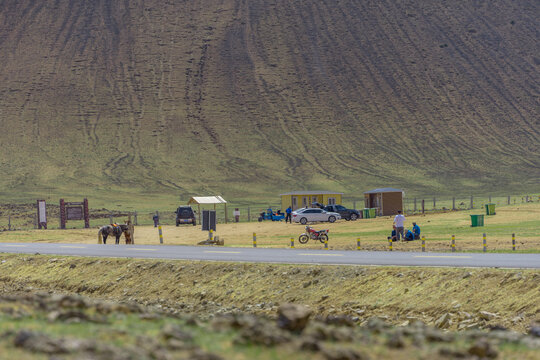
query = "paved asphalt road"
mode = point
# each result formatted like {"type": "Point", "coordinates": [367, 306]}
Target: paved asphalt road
{"type": "Point", "coordinates": [286, 256]}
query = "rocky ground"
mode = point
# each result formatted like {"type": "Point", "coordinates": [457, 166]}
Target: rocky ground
{"type": "Point", "coordinates": [30, 328]}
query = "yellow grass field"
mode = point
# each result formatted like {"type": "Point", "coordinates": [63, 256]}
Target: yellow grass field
{"type": "Point", "coordinates": [523, 220]}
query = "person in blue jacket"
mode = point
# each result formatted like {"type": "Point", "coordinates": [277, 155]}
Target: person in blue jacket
{"type": "Point", "coordinates": [409, 236]}
{"type": "Point", "coordinates": [288, 216]}
{"type": "Point", "coordinates": [416, 231]}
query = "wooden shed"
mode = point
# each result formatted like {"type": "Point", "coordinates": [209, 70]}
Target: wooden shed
{"type": "Point", "coordinates": [301, 199]}
{"type": "Point", "coordinates": [387, 200]}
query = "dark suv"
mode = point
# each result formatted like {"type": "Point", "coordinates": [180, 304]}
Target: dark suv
{"type": "Point", "coordinates": [185, 215]}
{"type": "Point", "coordinates": [347, 214]}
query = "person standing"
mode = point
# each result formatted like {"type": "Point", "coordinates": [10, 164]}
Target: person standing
{"type": "Point", "coordinates": [399, 223]}
{"type": "Point", "coordinates": [236, 215]}
{"type": "Point", "coordinates": [156, 220]}
{"type": "Point", "coordinates": [288, 215]}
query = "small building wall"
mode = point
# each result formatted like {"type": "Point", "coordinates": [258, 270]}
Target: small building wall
{"type": "Point", "coordinates": [302, 200]}
{"type": "Point", "coordinates": [391, 203]}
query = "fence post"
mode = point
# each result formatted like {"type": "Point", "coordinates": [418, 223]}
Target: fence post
{"type": "Point", "coordinates": [249, 214]}
{"type": "Point", "coordinates": [254, 240]}
{"type": "Point", "coordinates": [453, 243]}
{"type": "Point", "coordinates": [513, 242]}
{"type": "Point", "coordinates": [453, 203]}
{"type": "Point", "coordinates": [9, 222]}
{"type": "Point", "coordinates": [527, 198]}
{"type": "Point", "coordinates": [423, 208]}
{"type": "Point", "coordinates": [472, 205]}
{"type": "Point", "coordinates": [358, 244]}
{"type": "Point", "coordinates": [490, 198]}
{"type": "Point", "coordinates": [135, 218]}
{"type": "Point", "coordinates": [434, 204]}
{"type": "Point", "coordinates": [484, 242]}
{"type": "Point", "coordinates": [390, 244]}
{"type": "Point", "coordinates": [508, 199]}
{"type": "Point", "coordinates": [423, 244]}
{"type": "Point", "coordinates": [292, 243]}
{"type": "Point", "coordinates": [161, 235]}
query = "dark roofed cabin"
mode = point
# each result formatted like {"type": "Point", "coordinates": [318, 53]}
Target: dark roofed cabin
{"type": "Point", "coordinates": [387, 200]}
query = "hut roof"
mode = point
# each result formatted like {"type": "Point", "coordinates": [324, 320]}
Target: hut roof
{"type": "Point", "coordinates": [312, 193]}
{"type": "Point", "coordinates": [383, 190]}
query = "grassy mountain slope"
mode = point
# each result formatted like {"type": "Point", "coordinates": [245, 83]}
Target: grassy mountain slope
{"type": "Point", "coordinates": [253, 98]}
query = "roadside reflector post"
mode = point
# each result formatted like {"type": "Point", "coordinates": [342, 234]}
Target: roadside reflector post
{"type": "Point", "coordinates": [484, 242]}
{"type": "Point", "coordinates": [453, 243]}
{"type": "Point", "coordinates": [160, 235]}
{"type": "Point", "coordinates": [513, 241]}
{"type": "Point", "coordinates": [423, 244]}
{"type": "Point", "coordinates": [358, 247]}
{"type": "Point", "coordinates": [390, 244]}
{"type": "Point", "coordinates": [326, 244]}
{"type": "Point", "coordinates": [211, 235]}
{"type": "Point", "coordinates": [254, 240]}
{"type": "Point", "coordinates": [292, 243]}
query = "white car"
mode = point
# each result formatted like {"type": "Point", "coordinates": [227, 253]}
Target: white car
{"type": "Point", "coordinates": [303, 216]}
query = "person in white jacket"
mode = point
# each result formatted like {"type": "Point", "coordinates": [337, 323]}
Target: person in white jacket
{"type": "Point", "coordinates": [399, 223]}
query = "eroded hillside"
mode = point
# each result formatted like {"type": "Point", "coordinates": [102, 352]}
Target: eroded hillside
{"type": "Point", "coordinates": [250, 98]}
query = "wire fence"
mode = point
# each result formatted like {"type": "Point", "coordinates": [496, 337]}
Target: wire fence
{"type": "Point", "coordinates": [24, 216]}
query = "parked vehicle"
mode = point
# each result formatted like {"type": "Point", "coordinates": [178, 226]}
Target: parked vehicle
{"type": "Point", "coordinates": [347, 214]}
{"type": "Point", "coordinates": [185, 215]}
{"type": "Point", "coordinates": [303, 216]}
{"type": "Point", "coordinates": [321, 235]}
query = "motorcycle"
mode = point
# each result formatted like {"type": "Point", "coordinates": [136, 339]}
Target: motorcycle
{"type": "Point", "coordinates": [321, 235]}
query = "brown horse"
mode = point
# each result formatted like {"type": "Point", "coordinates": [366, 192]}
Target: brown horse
{"type": "Point", "coordinates": [116, 230]}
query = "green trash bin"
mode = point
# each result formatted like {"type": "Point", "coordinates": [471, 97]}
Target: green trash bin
{"type": "Point", "coordinates": [372, 213]}
{"type": "Point", "coordinates": [490, 209]}
{"type": "Point", "coordinates": [477, 220]}
{"type": "Point", "coordinates": [365, 213]}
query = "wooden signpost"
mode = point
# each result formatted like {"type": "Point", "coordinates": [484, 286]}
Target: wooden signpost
{"type": "Point", "coordinates": [74, 211]}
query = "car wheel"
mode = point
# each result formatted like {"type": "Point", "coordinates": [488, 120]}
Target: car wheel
{"type": "Point", "coordinates": [347, 218]}
{"type": "Point", "coordinates": [303, 221]}
{"type": "Point", "coordinates": [260, 219]}
{"type": "Point", "coordinates": [194, 223]}
{"type": "Point", "coordinates": [353, 217]}
{"type": "Point", "coordinates": [331, 218]}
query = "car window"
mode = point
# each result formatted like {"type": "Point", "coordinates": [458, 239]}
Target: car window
{"type": "Point", "coordinates": [318, 211]}
{"type": "Point", "coordinates": [339, 207]}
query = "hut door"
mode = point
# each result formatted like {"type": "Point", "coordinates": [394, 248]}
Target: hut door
{"type": "Point", "coordinates": [294, 204]}
{"type": "Point", "coordinates": [304, 201]}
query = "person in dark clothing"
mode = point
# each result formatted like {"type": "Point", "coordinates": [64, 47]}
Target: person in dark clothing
{"type": "Point", "coordinates": [393, 236]}
{"type": "Point", "coordinates": [288, 213]}
{"type": "Point", "coordinates": [409, 236]}
{"type": "Point", "coordinates": [156, 220]}
{"type": "Point", "coordinates": [416, 231]}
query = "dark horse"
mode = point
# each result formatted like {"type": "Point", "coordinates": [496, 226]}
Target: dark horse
{"type": "Point", "coordinates": [116, 230]}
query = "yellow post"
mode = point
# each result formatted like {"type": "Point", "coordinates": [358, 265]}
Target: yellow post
{"type": "Point", "coordinates": [513, 241]}
{"type": "Point", "coordinates": [160, 235]}
{"type": "Point", "coordinates": [358, 244]}
{"type": "Point", "coordinates": [423, 244]}
{"type": "Point", "coordinates": [484, 243]}
{"type": "Point", "coordinates": [254, 240]}
{"type": "Point", "coordinates": [453, 243]}
{"type": "Point", "coordinates": [326, 244]}
{"type": "Point", "coordinates": [390, 244]}
{"type": "Point", "coordinates": [211, 235]}
{"type": "Point", "coordinates": [292, 243]}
